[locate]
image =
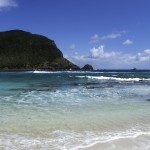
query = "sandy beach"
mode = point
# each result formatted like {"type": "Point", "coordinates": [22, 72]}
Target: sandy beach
{"type": "Point", "coordinates": [138, 143]}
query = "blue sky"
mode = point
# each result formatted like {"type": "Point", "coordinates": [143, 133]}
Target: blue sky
{"type": "Point", "coordinates": [109, 34]}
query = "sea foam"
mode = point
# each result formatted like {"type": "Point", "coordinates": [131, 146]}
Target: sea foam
{"type": "Point", "coordinates": [65, 140]}
{"type": "Point", "coordinates": [67, 72]}
{"type": "Point", "coordinates": [114, 78]}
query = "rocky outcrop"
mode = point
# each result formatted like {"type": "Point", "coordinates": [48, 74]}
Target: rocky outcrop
{"type": "Point", "coordinates": [87, 67]}
{"type": "Point", "coordinates": [24, 50]}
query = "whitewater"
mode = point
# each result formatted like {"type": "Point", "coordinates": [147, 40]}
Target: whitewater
{"type": "Point", "coordinates": [75, 110]}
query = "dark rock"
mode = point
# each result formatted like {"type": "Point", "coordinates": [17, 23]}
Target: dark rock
{"type": "Point", "coordinates": [134, 69]}
{"type": "Point", "coordinates": [87, 67]}
{"type": "Point", "coordinates": [140, 80]}
{"type": "Point", "coordinates": [148, 100]}
{"type": "Point", "coordinates": [24, 50]}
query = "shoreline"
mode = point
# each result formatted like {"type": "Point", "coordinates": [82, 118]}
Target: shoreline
{"type": "Point", "coordinates": [123, 143]}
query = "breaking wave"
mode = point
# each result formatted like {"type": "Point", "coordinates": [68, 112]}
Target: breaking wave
{"type": "Point", "coordinates": [114, 78]}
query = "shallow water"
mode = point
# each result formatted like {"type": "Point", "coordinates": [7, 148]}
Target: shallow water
{"type": "Point", "coordinates": [74, 109]}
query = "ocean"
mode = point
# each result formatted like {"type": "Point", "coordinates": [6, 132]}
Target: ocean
{"type": "Point", "coordinates": [71, 110]}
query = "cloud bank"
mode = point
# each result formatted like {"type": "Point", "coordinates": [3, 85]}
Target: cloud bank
{"type": "Point", "coordinates": [98, 56]}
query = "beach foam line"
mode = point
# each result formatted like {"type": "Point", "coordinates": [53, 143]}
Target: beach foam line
{"type": "Point", "coordinates": [116, 136]}
{"type": "Point", "coordinates": [65, 140]}
{"type": "Point", "coordinates": [114, 78]}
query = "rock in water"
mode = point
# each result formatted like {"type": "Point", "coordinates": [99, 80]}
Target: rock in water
{"type": "Point", "coordinates": [24, 50]}
{"type": "Point", "coordinates": [87, 67]}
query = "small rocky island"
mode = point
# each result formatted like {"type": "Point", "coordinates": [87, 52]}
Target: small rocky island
{"type": "Point", "coordinates": [24, 50]}
{"type": "Point", "coordinates": [87, 67]}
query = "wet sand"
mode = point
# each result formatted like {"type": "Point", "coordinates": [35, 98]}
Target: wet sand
{"type": "Point", "coordinates": [139, 143]}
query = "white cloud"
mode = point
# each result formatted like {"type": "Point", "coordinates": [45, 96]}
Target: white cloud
{"type": "Point", "coordinates": [147, 51]}
{"type": "Point", "coordinates": [127, 42]}
{"type": "Point", "coordinates": [111, 36]}
{"type": "Point", "coordinates": [97, 52]}
{"type": "Point", "coordinates": [100, 53]}
{"type": "Point", "coordinates": [7, 4]}
{"type": "Point", "coordinates": [72, 46]}
{"type": "Point", "coordinates": [112, 59]}
{"type": "Point", "coordinates": [144, 56]}
{"type": "Point", "coordinates": [96, 38]}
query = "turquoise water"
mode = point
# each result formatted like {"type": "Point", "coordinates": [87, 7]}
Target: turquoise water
{"type": "Point", "coordinates": [73, 109]}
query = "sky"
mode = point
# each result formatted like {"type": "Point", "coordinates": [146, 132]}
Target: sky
{"type": "Point", "coordinates": [108, 34]}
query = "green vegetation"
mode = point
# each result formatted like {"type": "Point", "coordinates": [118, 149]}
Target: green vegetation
{"type": "Point", "coordinates": [23, 50]}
